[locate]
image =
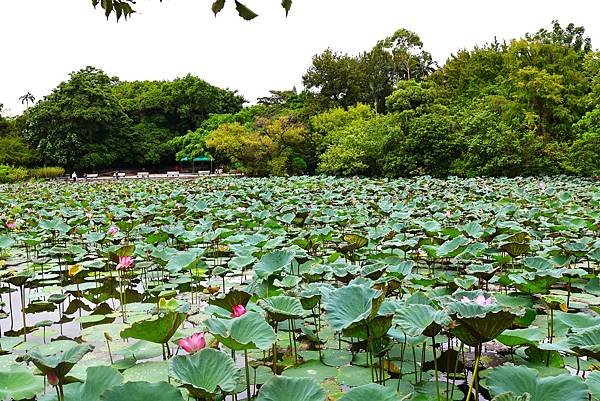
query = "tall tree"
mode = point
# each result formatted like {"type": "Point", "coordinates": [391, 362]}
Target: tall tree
{"type": "Point", "coordinates": [336, 80]}
{"type": "Point", "coordinates": [81, 123]}
{"type": "Point", "coordinates": [27, 98]}
{"type": "Point", "coordinates": [163, 110]}
{"type": "Point", "coordinates": [408, 58]}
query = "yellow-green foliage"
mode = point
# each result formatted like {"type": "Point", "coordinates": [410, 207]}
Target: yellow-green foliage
{"type": "Point", "coordinates": [10, 174]}
{"type": "Point", "coordinates": [46, 172]}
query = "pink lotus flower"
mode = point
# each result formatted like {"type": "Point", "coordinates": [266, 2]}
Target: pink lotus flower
{"type": "Point", "coordinates": [89, 216]}
{"type": "Point", "coordinates": [238, 310]}
{"type": "Point", "coordinates": [193, 343]}
{"type": "Point", "coordinates": [448, 214]}
{"type": "Point", "coordinates": [125, 263]}
{"type": "Point", "coordinates": [52, 378]}
{"type": "Point", "coordinates": [480, 300]}
{"type": "Point", "coordinates": [113, 230]}
{"type": "Point", "coordinates": [11, 225]}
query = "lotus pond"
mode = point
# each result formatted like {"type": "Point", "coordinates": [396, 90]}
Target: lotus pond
{"type": "Point", "coordinates": [301, 289]}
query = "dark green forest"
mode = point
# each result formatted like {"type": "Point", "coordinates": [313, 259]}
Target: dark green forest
{"type": "Point", "coordinates": [529, 106]}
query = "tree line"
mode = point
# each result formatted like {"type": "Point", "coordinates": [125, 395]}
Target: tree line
{"type": "Point", "coordinates": [527, 106]}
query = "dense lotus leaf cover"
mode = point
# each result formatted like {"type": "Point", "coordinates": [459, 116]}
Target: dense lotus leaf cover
{"type": "Point", "coordinates": [206, 373]}
{"type": "Point", "coordinates": [521, 380]}
{"type": "Point", "coordinates": [320, 287]}
{"type": "Point", "coordinates": [18, 383]}
{"type": "Point", "coordinates": [249, 331]}
{"type": "Point", "coordinates": [291, 389]}
{"type": "Point", "coordinates": [370, 392]}
{"type": "Point", "coordinates": [142, 391]}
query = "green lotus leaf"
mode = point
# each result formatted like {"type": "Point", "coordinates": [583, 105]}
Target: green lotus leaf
{"type": "Point", "coordinates": [593, 383]}
{"type": "Point", "coordinates": [473, 229]}
{"type": "Point", "coordinates": [158, 329]}
{"type": "Point", "coordinates": [310, 297]}
{"type": "Point", "coordinates": [60, 362]}
{"type": "Point", "coordinates": [336, 357]}
{"type": "Point", "coordinates": [353, 242]}
{"type": "Point", "coordinates": [98, 380]}
{"type": "Point", "coordinates": [350, 305]}
{"type": "Point", "coordinates": [539, 263]}
{"type": "Point", "coordinates": [452, 248]}
{"type": "Point", "coordinates": [240, 262]}
{"type": "Point", "coordinates": [485, 271]}
{"type": "Point", "coordinates": [206, 373]}
{"type": "Point", "coordinates": [273, 263]}
{"type": "Point", "coordinates": [6, 242]}
{"type": "Point", "coordinates": [288, 281]}
{"type": "Point", "coordinates": [576, 321]}
{"type": "Point", "coordinates": [586, 342]}
{"type": "Point", "coordinates": [142, 391]}
{"type": "Point", "coordinates": [375, 327]}
{"type": "Point", "coordinates": [314, 369]}
{"type": "Point", "coordinates": [249, 331]}
{"type": "Point", "coordinates": [370, 392]}
{"type": "Point", "coordinates": [479, 330]}
{"type": "Point", "coordinates": [466, 282]}
{"type": "Point", "coordinates": [374, 271]}
{"type": "Point", "coordinates": [516, 337]}
{"type": "Point", "coordinates": [282, 388]}
{"type": "Point", "coordinates": [418, 320]}
{"type": "Point", "coordinates": [18, 383]}
{"type": "Point", "coordinates": [20, 278]}
{"type": "Point", "coordinates": [282, 307]}
{"type": "Point", "coordinates": [516, 244]}
{"type": "Point", "coordinates": [538, 282]}
{"type": "Point", "coordinates": [231, 299]}
{"type": "Point", "coordinates": [511, 397]}
{"type": "Point", "coordinates": [182, 261]}
{"type": "Point", "coordinates": [152, 372]}
{"type": "Point", "coordinates": [521, 380]}
{"type": "Point", "coordinates": [401, 270]}
{"type": "Point", "coordinates": [430, 227]}
{"type": "Point", "coordinates": [478, 324]}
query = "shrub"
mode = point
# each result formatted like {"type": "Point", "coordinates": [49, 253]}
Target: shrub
{"type": "Point", "coordinates": [46, 172]}
{"type": "Point", "coordinates": [14, 150]}
{"type": "Point", "coordinates": [10, 174]}
{"type": "Point", "coordinates": [584, 155]}
{"type": "Point", "coordinates": [299, 165]}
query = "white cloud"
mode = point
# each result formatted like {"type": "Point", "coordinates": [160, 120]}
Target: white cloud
{"type": "Point", "coordinates": [41, 43]}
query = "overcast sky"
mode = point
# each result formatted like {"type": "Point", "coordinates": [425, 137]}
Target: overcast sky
{"type": "Point", "coordinates": [41, 43]}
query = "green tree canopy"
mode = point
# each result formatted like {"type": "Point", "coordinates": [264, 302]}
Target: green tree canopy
{"type": "Point", "coordinates": [81, 123]}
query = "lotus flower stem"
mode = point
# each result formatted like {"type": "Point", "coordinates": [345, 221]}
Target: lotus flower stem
{"type": "Point", "coordinates": [22, 291]}
{"type": "Point", "coordinates": [435, 367]}
{"type": "Point", "coordinates": [293, 336]}
{"type": "Point", "coordinates": [473, 378]}
{"type": "Point", "coordinates": [369, 355]}
{"type": "Point", "coordinates": [290, 336]}
{"type": "Point", "coordinates": [415, 363]}
{"type": "Point", "coordinates": [460, 351]}
{"type": "Point", "coordinates": [109, 352]}
{"type": "Point", "coordinates": [422, 361]}
{"type": "Point", "coordinates": [275, 351]}
{"type": "Point", "coordinates": [402, 350]}
{"type": "Point", "coordinates": [569, 291]}
{"type": "Point", "coordinates": [247, 374]}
